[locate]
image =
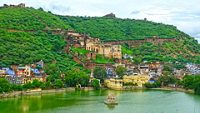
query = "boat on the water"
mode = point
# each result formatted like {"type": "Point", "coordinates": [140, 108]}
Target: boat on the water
{"type": "Point", "coordinates": [111, 100]}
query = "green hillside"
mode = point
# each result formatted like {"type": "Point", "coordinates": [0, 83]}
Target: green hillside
{"type": "Point", "coordinates": [185, 49]}
{"type": "Point", "coordinates": [120, 29]}
{"type": "Point", "coordinates": [29, 19]}
{"type": "Point", "coordinates": [23, 40]}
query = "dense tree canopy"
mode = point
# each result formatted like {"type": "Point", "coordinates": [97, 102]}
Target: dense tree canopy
{"type": "Point", "coordinates": [4, 85]}
{"type": "Point", "coordinates": [100, 73]}
{"type": "Point", "coordinates": [75, 77]}
{"type": "Point", "coordinates": [120, 29]}
{"type": "Point", "coordinates": [120, 71]}
{"type": "Point", "coordinates": [24, 39]}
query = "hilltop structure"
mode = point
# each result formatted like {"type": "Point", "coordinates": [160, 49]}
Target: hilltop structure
{"type": "Point", "coordinates": [110, 15]}
{"type": "Point", "coordinates": [94, 45]}
{"type": "Point", "coordinates": [11, 5]}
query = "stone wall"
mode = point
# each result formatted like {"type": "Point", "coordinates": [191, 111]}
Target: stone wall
{"type": "Point", "coordinates": [137, 42]}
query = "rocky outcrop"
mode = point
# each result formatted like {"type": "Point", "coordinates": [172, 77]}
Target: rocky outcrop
{"type": "Point", "coordinates": [111, 15]}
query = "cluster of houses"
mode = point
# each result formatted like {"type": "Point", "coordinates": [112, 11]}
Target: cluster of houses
{"type": "Point", "coordinates": [194, 69]}
{"type": "Point", "coordinates": [135, 75]}
{"type": "Point", "coordinates": [18, 74]}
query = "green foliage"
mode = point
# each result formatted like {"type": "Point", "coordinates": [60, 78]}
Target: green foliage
{"type": "Point", "coordinates": [79, 51]}
{"type": "Point", "coordinates": [119, 29]}
{"type": "Point", "coordinates": [75, 76]}
{"type": "Point", "coordinates": [58, 83]}
{"type": "Point", "coordinates": [166, 80]}
{"type": "Point", "coordinates": [29, 19]}
{"type": "Point", "coordinates": [190, 82]}
{"type": "Point", "coordinates": [47, 85]}
{"type": "Point", "coordinates": [25, 42]}
{"type": "Point", "coordinates": [130, 84]}
{"type": "Point", "coordinates": [100, 59]}
{"type": "Point", "coordinates": [5, 86]}
{"type": "Point", "coordinates": [53, 71]}
{"type": "Point", "coordinates": [120, 71]}
{"type": "Point", "coordinates": [36, 84]}
{"type": "Point", "coordinates": [152, 85]}
{"type": "Point", "coordinates": [27, 86]}
{"type": "Point", "coordinates": [126, 50]}
{"type": "Point", "coordinates": [27, 48]}
{"type": "Point", "coordinates": [185, 49]}
{"type": "Point", "coordinates": [95, 84]}
{"type": "Point", "coordinates": [16, 87]}
{"type": "Point", "coordinates": [100, 73]}
{"type": "Point", "coordinates": [166, 52]}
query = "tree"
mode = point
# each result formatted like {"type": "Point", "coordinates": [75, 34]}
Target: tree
{"type": "Point", "coordinates": [100, 73]}
{"type": "Point", "coordinates": [190, 82]}
{"type": "Point", "coordinates": [166, 80]}
{"type": "Point", "coordinates": [58, 83]}
{"type": "Point", "coordinates": [36, 83]}
{"type": "Point", "coordinates": [152, 85]}
{"type": "Point", "coordinates": [5, 86]}
{"type": "Point", "coordinates": [120, 70]}
{"type": "Point", "coordinates": [27, 86]}
{"type": "Point", "coordinates": [137, 60]}
{"type": "Point", "coordinates": [16, 87]}
{"type": "Point", "coordinates": [95, 84]}
{"type": "Point", "coordinates": [53, 71]}
{"type": "Point", "coordinates": [75, 76]}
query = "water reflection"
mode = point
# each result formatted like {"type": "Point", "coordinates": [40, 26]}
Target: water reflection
{"type": "Point", "coordinates": [111, 107]}
{"type": "Point", "coordinates": [139, 101]}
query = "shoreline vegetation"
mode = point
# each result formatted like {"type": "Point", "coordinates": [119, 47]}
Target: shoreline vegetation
{"type": "Point", "coordinates": [38, 91]}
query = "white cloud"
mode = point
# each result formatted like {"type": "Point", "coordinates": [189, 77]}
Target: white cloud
{"type": "Point", "coordinates": [182, 13]}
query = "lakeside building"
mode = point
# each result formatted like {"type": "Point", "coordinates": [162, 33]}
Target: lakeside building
{"type": "Point", "coordinates": [127, 81]}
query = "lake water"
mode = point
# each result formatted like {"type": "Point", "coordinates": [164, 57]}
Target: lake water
{"type": "Point", "coordinates": [140, 101]}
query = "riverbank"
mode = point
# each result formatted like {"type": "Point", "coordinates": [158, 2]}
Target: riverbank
{"type": "Point", "coordinates": [15, 94]}
{"type": "Point", "coordinates": [174, 89]}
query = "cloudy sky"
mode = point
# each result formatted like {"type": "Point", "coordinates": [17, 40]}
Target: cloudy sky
{"type": "Point", "coordinates": [185, 14]}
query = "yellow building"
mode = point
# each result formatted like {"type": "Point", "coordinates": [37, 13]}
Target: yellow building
{"type": "Point", "coordinates": [138, 80]}
{"type": "Point", "coordinates": [108, 50]}
{"type": "Point", "coordinates": [118, 84]}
